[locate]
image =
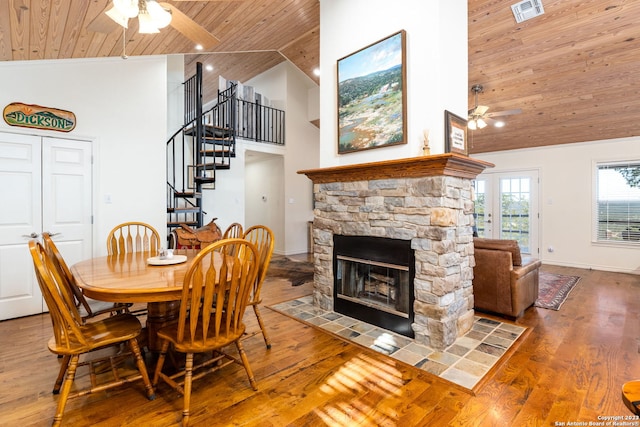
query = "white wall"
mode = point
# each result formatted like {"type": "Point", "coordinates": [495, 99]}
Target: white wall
{"type": "Point", "coordinates": [264, 198]}
{"type": "Point", "coordinates": [119, 104]}
{"type": "Point", "coordinates": [436, 67]}
{"type": "Point", "coordinates": [566, 200]}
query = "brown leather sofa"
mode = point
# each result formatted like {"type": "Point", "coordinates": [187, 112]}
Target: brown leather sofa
{"type": "Point", "coordinates": [504, 282]}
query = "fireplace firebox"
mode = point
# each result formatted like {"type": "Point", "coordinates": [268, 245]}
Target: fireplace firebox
{"type": "Point", "coordinates": [373, 281]}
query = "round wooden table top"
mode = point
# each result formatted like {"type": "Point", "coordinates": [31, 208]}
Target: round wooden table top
{"type": "Point", "coordinates": [130, 278]}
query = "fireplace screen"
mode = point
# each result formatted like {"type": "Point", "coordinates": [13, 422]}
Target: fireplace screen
{"type": "Point", "coordinates": [375, 284]}
{"type": "Point", "coordinates": [373, 281]}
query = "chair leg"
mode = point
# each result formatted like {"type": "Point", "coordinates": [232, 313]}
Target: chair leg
{"type": "Point", "coordinates": [66, 389]}
{"type": "Point", "coordinates": [267, 341]}
{"type": "Point", "coordinates": [135, 348]}
{"type": "Point", "coordinates": [245, 363]}
{"type": "Point", "coordinates": [64, 363]}
{"type": "Point", "coordinates": [160, 363]}
{"type": "Point", "coordinates": [188, 377]}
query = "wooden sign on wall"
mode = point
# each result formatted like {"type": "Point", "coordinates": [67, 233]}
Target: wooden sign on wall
{"type": "Point", "coordinates": [35, 116]}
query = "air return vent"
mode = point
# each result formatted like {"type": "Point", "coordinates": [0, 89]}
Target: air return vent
{"type": "Point", "coordinates": [527, 9]}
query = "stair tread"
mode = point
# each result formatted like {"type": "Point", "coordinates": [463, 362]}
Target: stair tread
{"type": "Point", "coordinates": [205, 179]}
{"type": "Point", "coordinates": [174, 224]}
{"type": "Point", "coordinates": [209, 130]}
{"type": "Point", "coordinates": [212, 166]}
{"type": "Point", "coordinates": [185, 194]}
{"type": "Point", "coordinates": [183, 210]}
{"type": "Point", "coordinates": [217, 153]}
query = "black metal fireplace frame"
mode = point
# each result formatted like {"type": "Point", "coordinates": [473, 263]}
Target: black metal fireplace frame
{"type": "Point", "coordinates": [396, 251]}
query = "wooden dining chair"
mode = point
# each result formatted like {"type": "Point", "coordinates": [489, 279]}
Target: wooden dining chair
{"type": "Point", "coordinates": [73, 338]}
{"type": "Point", "coordinates": [234, 231]}
{"type": "Point", "coordinates": [133, 237]}
{"type": "Point", "coordinates": [215, 293]}
{"type": "Point", "coordinates": [87, 307]}
{"type": "Point", "coordinates": [262, 237]}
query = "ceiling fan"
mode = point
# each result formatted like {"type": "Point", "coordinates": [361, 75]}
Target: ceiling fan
{"type": "Point", "coordinates": [152, 16]}
{"type": "Point", "coordinates": [480, 118]}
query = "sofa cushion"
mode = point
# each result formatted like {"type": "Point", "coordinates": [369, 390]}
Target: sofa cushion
{"type": "Point", "coordinates": [500, 245]}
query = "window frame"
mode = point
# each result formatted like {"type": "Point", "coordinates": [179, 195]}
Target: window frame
{"type": "Point", "coordinates": [596, 238]}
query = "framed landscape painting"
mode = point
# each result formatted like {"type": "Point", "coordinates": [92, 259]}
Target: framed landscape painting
{"type": "Point", "coordinates": [372, 97]}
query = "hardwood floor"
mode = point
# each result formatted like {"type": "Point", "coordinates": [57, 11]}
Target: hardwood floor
{"type": "Point", "coordinates": [570, 368]}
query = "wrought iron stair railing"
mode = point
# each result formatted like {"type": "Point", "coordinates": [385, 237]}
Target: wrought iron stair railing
{"type": "Point", "coordinates": [206, 143]}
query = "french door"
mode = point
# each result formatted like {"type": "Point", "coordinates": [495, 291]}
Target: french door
{"type": "Point", "coordinates": [506, 207]}
{"type": "Point", "coordinates": [45, 185]}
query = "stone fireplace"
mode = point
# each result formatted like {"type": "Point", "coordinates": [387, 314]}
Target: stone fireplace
{"type": "Point", "coordinates": [425, 201]}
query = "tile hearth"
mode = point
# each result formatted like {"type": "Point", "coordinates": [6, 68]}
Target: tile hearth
{"type": "Point", "coordinates": [464, 363]}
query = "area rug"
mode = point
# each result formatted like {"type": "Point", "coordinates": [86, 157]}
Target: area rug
{"type": "Point", "coordinates": [297, 272]}
{"type": "Point", "coordinates": [468, 363]}
{"type": "Point", "coordinates": [554, 290]}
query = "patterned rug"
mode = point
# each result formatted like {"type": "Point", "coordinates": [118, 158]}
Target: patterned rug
{"type": "Point", "coordinates": [295, 271]}
{"type": "Point", "coordinates": [554, 290]}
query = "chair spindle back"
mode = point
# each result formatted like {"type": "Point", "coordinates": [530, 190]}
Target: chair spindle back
{"type": "Point", "coordinates": [133, 237]}
{"type": "Point", "coordinates": [215, 294]}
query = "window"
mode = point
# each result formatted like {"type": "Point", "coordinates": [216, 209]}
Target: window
{"type": "Point", "coordinates": [618, 203]}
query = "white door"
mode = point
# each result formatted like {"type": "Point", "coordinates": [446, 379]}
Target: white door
{"type": "Point", "coordinates": [45, 185]}
{"type": "Point", "coordinates": [506, 207]}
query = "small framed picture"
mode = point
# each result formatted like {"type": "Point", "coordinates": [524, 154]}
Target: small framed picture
{"type": "Point", "coordinates": [455, 134]}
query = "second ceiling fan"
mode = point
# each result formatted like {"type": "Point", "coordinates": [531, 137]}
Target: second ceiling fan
{"type": "Point", "coordinates": [479, 117]}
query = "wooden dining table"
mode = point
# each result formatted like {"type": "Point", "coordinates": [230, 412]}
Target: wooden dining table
{"type": "Point", "coordinates": [129, 278]}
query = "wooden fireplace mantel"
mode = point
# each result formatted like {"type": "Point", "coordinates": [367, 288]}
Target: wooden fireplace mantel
{"type": "Point", "coordinates": [449, 164]}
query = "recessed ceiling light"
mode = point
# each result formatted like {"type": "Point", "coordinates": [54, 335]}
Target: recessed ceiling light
{"type": "Point", "coordinates": [209, 67]}
{"type": "Point", "coordinates": [198, 47]}
{"type": "Point", "coordinates": [316, 72]}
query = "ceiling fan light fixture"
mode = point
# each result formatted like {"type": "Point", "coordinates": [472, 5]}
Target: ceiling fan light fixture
{"type": "Point", "coordinates": [472, 124]}
{"type": "Point", "coordinates": [481, 123]}
{"type": "Point", "coordinates": [118, 17]}
{"type": "Point", "coordinates": [146, 24]}
{"type": "Point", "coordinates": [128, 8]}
{"type": "Point", "coordinates": [160, 16]}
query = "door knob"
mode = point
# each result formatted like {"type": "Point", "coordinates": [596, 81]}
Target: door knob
{"type": "Point", "coordinates": [33, 235]}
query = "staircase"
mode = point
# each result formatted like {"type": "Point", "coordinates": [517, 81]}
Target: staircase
{"type": "Point", "coordinates": [206, 143]}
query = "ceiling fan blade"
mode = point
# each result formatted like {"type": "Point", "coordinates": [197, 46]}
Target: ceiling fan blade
{"type": "Point", "coordinates": [190, 28]}
{"type": "Point", "coordinates": [479, 110]}
{"type": "Point", "coordinates": [102, 23]}
{"type": "Point", "coordinates": [505, 113]}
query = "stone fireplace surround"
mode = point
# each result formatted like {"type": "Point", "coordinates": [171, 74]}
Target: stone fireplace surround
{"type": "Point", "coordinates": [427, 200]}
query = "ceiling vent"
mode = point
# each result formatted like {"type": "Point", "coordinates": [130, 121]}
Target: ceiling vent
{"type": "Point", "coordinates": [527, 9]}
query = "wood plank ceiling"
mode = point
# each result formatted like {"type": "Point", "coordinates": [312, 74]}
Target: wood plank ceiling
{"type": "Point", "coordinates": [572, 71]}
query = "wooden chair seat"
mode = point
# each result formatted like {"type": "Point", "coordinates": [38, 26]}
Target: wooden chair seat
{"type": "Point", "coordinates": [73, 338]}
{"type": "Point", "coordinates": [108, 331]}
{"type": "Point", "coordinates": [210, 317]}
{"type": "Point", "coordinates": [631, 396]}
